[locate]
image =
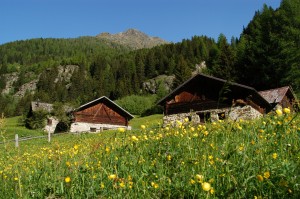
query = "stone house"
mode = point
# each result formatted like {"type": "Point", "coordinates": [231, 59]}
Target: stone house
{"type": "Point", "coordinates": [53, 124]}
{"type": "Point", "coordinates": [98, 115]}
{"type": "Point", "coordinates": [205, 98]}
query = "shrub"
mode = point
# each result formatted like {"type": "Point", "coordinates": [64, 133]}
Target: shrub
{"type": "Point", "coordinates": [136, 104]}
{"type": "Point", "coordinates": [37, 120]}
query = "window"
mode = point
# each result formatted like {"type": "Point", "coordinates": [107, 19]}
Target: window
{"type": "Point", "coordinates": [49, 121]}
{"type": "Point", "coordinates": [93, 129]}
{"type": "Point", "coordinates": [221, 116]}
{"type": "Point", "coordinates": [204, 117]}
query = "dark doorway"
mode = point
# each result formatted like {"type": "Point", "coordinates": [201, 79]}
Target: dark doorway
{"type": "Point", "coordinates": [61, 127]}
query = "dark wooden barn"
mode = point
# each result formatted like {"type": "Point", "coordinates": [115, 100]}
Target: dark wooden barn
{"type": "Point", "coordinates": [99, 114]}
{"type": "Point", "coordinates": [204, 94]}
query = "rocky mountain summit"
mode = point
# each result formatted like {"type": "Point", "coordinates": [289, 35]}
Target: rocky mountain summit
{"type": "Point", "coordinates": [133, 38]}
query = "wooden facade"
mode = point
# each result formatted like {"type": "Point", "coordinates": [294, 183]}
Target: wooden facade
{"type": "Point", "coordinates": [203, 92]}
{"type": "Point", "coordinates": [102, 111]}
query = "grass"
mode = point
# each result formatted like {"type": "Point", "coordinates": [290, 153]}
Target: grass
{"type": "Point", "coordinates": [245, 159]}
{"type": "Point", "coordinates": [152, 121]}
{"type": "Point", "coordinates": [12, 126]}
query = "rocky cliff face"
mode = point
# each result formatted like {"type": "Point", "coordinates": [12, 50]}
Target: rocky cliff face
{"type": "Point", "coordinates": [64, 74]}
{"type": "Point", "coordinates": [133, 38]}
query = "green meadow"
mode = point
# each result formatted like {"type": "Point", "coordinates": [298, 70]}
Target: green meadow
{"type": "Point", "coordinates": [243, 159]}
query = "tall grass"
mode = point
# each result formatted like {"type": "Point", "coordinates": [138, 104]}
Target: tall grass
{"type": "Point", "coordinates": [245, 159]}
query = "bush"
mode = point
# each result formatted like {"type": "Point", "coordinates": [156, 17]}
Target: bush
{"type": "Point", "coordinates": [136, 104]}
{"type": "Point", "coordinates": [153, 110]}
{"type": "Point", "coordinates": [37, 120]}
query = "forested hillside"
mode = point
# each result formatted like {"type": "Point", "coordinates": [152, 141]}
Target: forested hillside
{"type": "Point", "coordinates": [267, 55]}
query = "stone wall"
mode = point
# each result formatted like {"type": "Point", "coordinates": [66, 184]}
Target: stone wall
{"type": "Point", "coordinates": [232, 113]}
{"type": "Point", "coordinates": [245, 113]}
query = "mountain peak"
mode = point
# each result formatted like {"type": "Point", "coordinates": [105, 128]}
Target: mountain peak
{"type": "Point", "coordinates": [132, 31]}
{"type": "Point", "coordinates": [133, 38]}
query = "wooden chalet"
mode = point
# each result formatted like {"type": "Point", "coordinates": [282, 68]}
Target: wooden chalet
{"type": "Point", "coordinates": [211, 97]}
{"type": "Point", "coordinates": [282, 97]}
{"type": "Point", "coordinates": [99, 114]}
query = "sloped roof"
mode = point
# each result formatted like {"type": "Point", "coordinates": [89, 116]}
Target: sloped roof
{"type": "Point", "coordinates": [275, 95]}
{"type": "Point", "coordinates": [216, 84]}
{"type": "Point", "coordinates": [37, 105]}
{"type": "Point", "coordinates": [105, 99]}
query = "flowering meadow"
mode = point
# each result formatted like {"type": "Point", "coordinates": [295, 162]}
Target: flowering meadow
{"type": "Point", "coordinates": [242, 159]}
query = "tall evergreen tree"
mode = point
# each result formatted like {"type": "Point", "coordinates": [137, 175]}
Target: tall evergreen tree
{"type": "Point", "coordinates": [182, 72]}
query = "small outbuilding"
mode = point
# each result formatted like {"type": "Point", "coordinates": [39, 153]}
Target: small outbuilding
{"type": "Point", "coordinates": [47, 108]}
{"type": "Point", "coordinates": [52, 123]}
{"type": "Point", "coordinates": [98, 115]}
{"type": "Point", "coordinates": [282, 97]}
{"type": "Point", "coordinates": [202, 98]}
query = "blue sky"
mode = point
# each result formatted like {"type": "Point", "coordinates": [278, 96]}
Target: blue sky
{"type": "Point", "coordinates": [171, 20]}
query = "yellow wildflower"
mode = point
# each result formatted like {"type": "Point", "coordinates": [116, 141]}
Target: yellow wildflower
{"type": "Point", "coordinates": [121, 130]}
{"type": "Point", "coordinates": [278, 112]}
{"type": "Point", "coordinates": [274, 155]}
{"type": "Point", "coordinates": [143, 127]}
{"type": "Point", "coordinates": [68, 164]}
{"type": "Point", "coordinates": [112, 176]}
{"type": "Point", "coordinates": [155, 185]}
{"type": "Point", "coordinates": [102, 186]}
{"type": "Point", "coordinates": [130, 184]}
{"type": "Point", "coordinates": [205, 133]}
{"type": "Point", "coordinates": [260, 178]}
{"type": "Point", "coordinates": [286, 110]}
{"type": "Point", "coordinates": [122, 184]}
{"type": "Point", "coordinates": [134, 138]}
{"type": "Point", "coordinates": [241, 147]}
{"type": "Point", "coordinates": [206, 186]}
{"type": "Point", "coordinates": [267, 174]}
{"type": "Point", "coordinates": [192, 181]}
{"type": "Point", "coordinates": [169, 157]}
{"type": "Point", "coordinates": [199, 178]}
{"type": "Point", "coordinates": [67, 179]}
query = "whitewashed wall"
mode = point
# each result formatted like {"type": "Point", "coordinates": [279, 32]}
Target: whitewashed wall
{"type": "Point", "coordinates": [78, 127]}
{"type": "Point", "coordinates": [51, 128]}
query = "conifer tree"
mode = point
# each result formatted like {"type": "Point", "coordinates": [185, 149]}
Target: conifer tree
{"type": "Point", "coordinates": [182, 72]}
